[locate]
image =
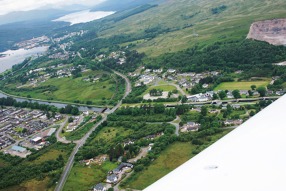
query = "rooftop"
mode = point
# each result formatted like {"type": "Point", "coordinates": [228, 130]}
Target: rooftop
{"type": "Point", "coordinates": [19, 149]}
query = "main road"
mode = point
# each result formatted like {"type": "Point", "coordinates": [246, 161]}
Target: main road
{"type": "Point", "coordinates": [81, 142]}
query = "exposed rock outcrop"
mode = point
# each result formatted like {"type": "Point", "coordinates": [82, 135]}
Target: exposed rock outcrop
{"type": "Point", "coordinates": [271, 31]}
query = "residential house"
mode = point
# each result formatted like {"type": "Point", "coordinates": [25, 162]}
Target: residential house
{"type": "Point", "coordinates": [243, 92]}
{"type": "Point", "coordinates": [191, 126]}
{"type": "Point", "coordinates": [112, 179]}
{"type": "Point", "coordinates": [171, 71]}
{"type": "Point", "coordinates": [121, 166]}
{"type": "Point", "coordinates": [99, 187]}
{"type": "Point", "coordinates": [233, 122]}
{"type": "Point", "coordinates": [229, 95]}
{"type": "Point", "coordinates": [198, 98]}
{"type": "Point", "coordinates": [205, 85]}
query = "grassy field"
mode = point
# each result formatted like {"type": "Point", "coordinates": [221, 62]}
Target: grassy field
{"type": "Point", "coordinates": [70, 89]}
{"type": "Point", "coordinates": [175, 155]}
{"type": "Point", "coordinates": [109, 133]}
{"type": "Point", "coordinates": [52, 154]}
{"type": "Point", "coordinates": [167, 88]}
{"type": "Point", "coordinates": [82, 178]}
{"type": "Point", "coordinates": [241, 85]}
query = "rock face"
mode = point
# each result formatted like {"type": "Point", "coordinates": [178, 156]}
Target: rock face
{"type": "Point", "coordinates": [271, 31]}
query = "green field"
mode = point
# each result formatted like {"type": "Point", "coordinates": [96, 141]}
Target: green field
{"type": "Point", "coordinates": [109, 133]}
{"type": "Point", "coordinates": [241, 85]}
{"type": "Point", "coordinates": [70, 89]}
{"type": "Point", "coordinates": [50, 155]}
{"type": "Point", "coordinates": [82, 178]}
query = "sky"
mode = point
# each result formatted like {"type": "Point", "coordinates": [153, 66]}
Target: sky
{"type": "Point", "coordinates": [7, 6]}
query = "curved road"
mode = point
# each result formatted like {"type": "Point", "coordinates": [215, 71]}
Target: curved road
{"type": "Point", "coordinates": [59, 138]}
{"type": "Point", "coordinates": [81, 142]}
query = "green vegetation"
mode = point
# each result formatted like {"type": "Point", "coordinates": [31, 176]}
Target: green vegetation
{"type": "Point", "coordinates": [253, 57]}
{"type": "Point", "coordinates": [175, 155]}
{"type": "Point", "coordinates": [32, 185]}
{"type": "Point", "coordinates": [169, 159]}
{"type": "Point", "coordinates": [146, 113]}
{"type": "Point", "coordinates": [82, 130]}
{"type": "Point", "coordinates": [241, 85]}
{"type": "Point", "coordinates": [48, 162]}
{"type": "Point", "coordinates": [82, 178]}
{"type": "Point", "coordinates": [183, 20]}
{"type": "Point", "coordinates": [69, 89]}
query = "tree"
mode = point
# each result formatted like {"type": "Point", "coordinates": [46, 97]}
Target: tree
{"type": "Point", "coordinates": [262, 91]}
{"type": "Point", "coordinates": [253, 87]}
{"type": "Point", "coordinates": [215, 96]}
{"type": "Point", "coordinates": [222, 94]}
{"type": "Point", "coordinates": [252, 113]}
{"type": "Point", "coordinates": [250, 93]}
{"type": "Point", "coordinates": [204, 111]}
{"type": "Point", "coordinates": [159, 108]}
{"type": "Point", "coordinates": [184, 99]}
{"type": "Point", "coordinates": [236, 94]}
{"type": "Point", "coordinates": [70, 120]}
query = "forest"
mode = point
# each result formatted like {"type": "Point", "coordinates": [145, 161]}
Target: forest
{"type": "Point", "coordinates": [253, 57]}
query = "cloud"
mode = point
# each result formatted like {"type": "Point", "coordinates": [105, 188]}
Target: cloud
{"type": "Point", "coordinates": [7, 6]}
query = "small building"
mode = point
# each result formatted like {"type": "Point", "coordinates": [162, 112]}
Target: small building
{"type": "Point", "coordinates": [112, 179]}
{"type": "Point", "coordinates": [192, 126]}
{"type": "Point", "coordinates": [36, 140]}
{"type": "Point", "coordinates": [99, 187]}
{"type": "Point", "coordinates": [19, 149]}
{"type": "Point", "coordinates": [233, 122]}
{"type": "Point", "coordinates": [51, 131]}
{"type": "Point", "coordinates": [121, 166]}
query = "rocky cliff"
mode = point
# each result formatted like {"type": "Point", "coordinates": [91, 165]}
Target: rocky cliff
{"type": "Point", "coordinates": [271, 31]}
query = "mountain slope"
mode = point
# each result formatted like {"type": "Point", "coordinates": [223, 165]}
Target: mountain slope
{"type": "Point", "coordinates": [182, 24]}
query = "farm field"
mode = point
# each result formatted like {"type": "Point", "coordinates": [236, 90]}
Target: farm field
{"type": "Point", "coordinates": [241, 85]}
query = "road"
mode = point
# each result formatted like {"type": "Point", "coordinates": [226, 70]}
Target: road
{"type": "Point", "coordinates": [226, 101]}
{"type": "Point", "coordinates": [59, 138]}
{"type": "Point", "coordinates": [176, 124]}
{"type": "Point", "coordinates": [81, 142]}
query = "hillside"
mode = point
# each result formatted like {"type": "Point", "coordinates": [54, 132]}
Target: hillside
{"type": "Point", "coordinates": [182, 24]}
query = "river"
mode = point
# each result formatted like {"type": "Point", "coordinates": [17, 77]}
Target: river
{"type": "Point", "coordinates": [13, 57]}
{"type": "Point", "coordinates": [58, 105]}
